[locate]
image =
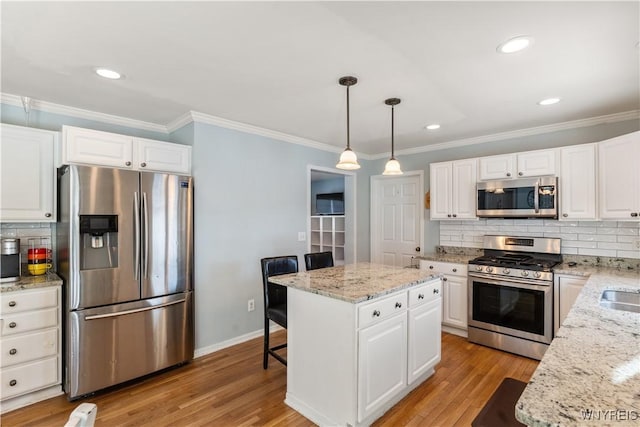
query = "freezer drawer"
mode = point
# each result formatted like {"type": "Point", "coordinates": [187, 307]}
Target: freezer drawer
{"type": "Point", "coordinates": [110, 345]}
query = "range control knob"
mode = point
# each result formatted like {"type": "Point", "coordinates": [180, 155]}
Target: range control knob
{"type": "Point", "coordinates": [489, 269]}
{"type": "Point", "coordinates": [478, 268]}
{"type": "Point", "coordinates": [537, 274]}
{"type": "Point", "coordinates": [506, 271]}
{"type": "Point", "coordinates": [524, 273]}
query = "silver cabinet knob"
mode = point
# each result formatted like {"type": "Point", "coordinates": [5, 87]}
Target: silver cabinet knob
{"type": "Point", "coordinates": [420, 296]}
{"type": "Point", "coordinates": [13, 351]}
{"type": "Point", "coordinates": [12, 303]}
{"type": "Point", "coordinates": [508, 173]}
{"type": "Point", "coordinates": [565, 215]}
{"type": "Point", "coordinates": [634, 214]}
{"type": "Point", "coordinates": [398, 305]}
{"type": "Point", "coordinates": [436, 291]}
{"type": "Point", "coordinates": [13, 383]}
{"type": "Point", "coordinates": [444, 279]}
{"type": "Point", "coordinates": [127, 163]}
{"type": "Point", "coordinates": [12, 325]}
{"type": "Point", "coordinates": [448, 215]}
{"type": "Point", "coordinates": [48, 214]}
{"type": "Point", "coordinates": [520, 173]}
{"type": "Point", "coordinates": [431, 267]}
{"type": "Point", "coordinates": [143, 165]}
{"type": "Point", "coordinates": [455, 215]}
{"type": "Point", "coordinates": [376, 313]}
{"type": "Point", "coordinates": [454, 270]}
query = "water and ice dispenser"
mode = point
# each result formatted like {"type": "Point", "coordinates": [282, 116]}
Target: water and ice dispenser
{"type": "Point", "coordinates": [99, 241]}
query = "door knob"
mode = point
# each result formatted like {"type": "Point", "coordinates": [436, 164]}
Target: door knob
{"type": "Point", "coordinates": [417, 248]}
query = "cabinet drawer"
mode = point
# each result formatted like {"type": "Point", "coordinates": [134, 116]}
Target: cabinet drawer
{"type": "Point", "coordinates": [373, 312]}
{"type": "Point", "coordinates": [29, 321]}
{"type": "Point", "coordinates": [425, 293]}
{"type": "Point", "coordinates": [453, 268]}
{"type": "Point", "coordinates": [14, 302]}
{"type": "Point", "coordinates": [32, 376]}
{"type": "Point", "coordinates": [28, 347]}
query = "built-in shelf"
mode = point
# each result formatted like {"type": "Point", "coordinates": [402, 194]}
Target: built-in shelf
{"type": "Point", "coordinates": [327, 234]}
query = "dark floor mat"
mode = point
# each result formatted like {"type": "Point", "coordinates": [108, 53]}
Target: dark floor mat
{"type": "Point", "coordinates": [499, 411]}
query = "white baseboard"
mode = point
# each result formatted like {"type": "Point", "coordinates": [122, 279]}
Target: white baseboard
{"type": "Point", "coordinates": [455, 331]}
{"type": "Point", "coordinates": [199, 352]}
{"type": "Point", "coordinates": [28, 399]}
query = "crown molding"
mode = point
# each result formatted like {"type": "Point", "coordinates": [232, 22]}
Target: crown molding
{"type": "Point", "coordinates": [592, 121]}
{"type": "Point", "coordinates": [256, 130]}
{"type": "Point", "coordinates": [50, 107]}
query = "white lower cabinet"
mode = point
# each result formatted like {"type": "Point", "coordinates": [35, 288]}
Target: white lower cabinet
{"type": "Point", "coordinates": [348, 363]}
{"type": "Point", "coordinates": [30, 367]}
{"type": "Point", "coordinates": [566, 290]}
{"type": "Point", "coordinates": [454, 293]}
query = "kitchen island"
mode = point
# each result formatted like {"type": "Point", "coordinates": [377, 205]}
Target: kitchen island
{"type": "Point", "coordinates": [590, 374]}
{"type": "Point", "coordinates": [360, 338]}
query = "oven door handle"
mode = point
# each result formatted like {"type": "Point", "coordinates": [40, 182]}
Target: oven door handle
{"type": "Point", "coordinates": [536, 197]}
{"type": "Point", "coordinates": [507, 282]}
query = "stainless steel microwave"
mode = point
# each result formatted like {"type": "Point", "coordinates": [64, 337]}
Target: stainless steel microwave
{"type": "Point", "coordinates": [518, 198]}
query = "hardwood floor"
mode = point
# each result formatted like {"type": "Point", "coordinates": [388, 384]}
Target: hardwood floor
{"type": "Point", "coordinates": [230, 388]}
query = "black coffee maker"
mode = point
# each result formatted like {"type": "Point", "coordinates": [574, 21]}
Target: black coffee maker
{"type": "Point", "coordinates": [10, 260]}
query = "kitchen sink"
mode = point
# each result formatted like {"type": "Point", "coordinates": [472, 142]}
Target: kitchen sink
{"type": "Point", "coordinates": [621, 300]}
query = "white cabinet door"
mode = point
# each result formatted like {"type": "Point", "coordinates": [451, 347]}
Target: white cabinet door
{"type": "Point", "coordinates": [565, 292]}
{"type": "Point", "coordinates": [578, 182]}
{"type": "Point", "coordinates": [497, 167]}
{"type": "Point", "coordinates": [619, 177]}
{"type": "Point", "coordinates": [93, 147]}
{"type": "Point", "coordinates": [454, 301]}
{"type": "Point", "coordinates": [424, 338]}
{"type": "Point", "coordinates": [382, 363]}
{"type": "Point", "coordinates": [463, 201]}
{"type": "Point", "coordinates": [162, 156]}
{"type": "Point", "coordinates": [441, 190]}
{"type": "Point", "coordinates": [536, 163]}
{"type": "Point", "coordinates": [27, 175]}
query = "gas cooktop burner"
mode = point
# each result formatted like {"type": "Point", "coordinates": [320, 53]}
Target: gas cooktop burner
{"type": "Point", "coordinates": [515, 261]}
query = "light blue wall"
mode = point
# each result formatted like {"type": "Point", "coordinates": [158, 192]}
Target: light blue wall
{"type": "Point", "coordinates": [421, 161]}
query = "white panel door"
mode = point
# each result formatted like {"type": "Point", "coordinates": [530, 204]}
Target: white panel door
{"type": "Point", "coordinates": [424, 338]}
{"type": "Point", "coordinates": [92, 147]}
{"type": "Point", "coordinates": [382, 363]}
{"type": "Point", "coordinates": [455, 301]}
{"type": "Point", "coordinates": [537, 163]}
{"type": "Point", "coordinates": [441, 190]}
{"type": "Point", "coordinates": [578, 182]}
{"type": "Point", "coordinates": [396, 220]}
{"type": "Point", "coordinates": [463, 201]}
{"type": "Point", "coordinates": [619, 177]}
{"type": "Point", "coordinates": [497, 167]}
{"type": "Point", "coordinates": [163, 156]}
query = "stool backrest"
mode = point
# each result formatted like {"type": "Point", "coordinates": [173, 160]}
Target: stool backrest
{"type": "Point", "coordinates": [276, 294]}
{"type": "Point", "coordinates": [317, 260]}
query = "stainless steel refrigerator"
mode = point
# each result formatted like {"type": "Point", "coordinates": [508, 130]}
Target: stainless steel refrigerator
{"type": "Point", "coordinates": [125, 251]}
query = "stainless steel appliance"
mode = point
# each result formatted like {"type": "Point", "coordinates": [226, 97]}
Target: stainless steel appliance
{"type": "Point", "coordinates": [125, 251]}
{"type": "Point", "coordinates": [10, 260]}
{"type": "Point", "coordinates": [518, 198]}
{"type": "Point", "coordinates": [511, 294]}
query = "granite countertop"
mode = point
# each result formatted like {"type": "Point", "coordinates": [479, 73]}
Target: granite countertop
{"type": "Point", "coordinates": [440, 257]}
{"type": "Point", "coordinates": [31, 282]}
{"type": "Point", "coordinates": [593, 363]}
{"type": "Point", "coordinates": [354, 283]}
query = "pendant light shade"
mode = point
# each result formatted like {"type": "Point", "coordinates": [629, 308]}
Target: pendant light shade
{"type": "Point", "coordinates": [393, 166]}
{"type": "Point", "coordinates": [348, 159]}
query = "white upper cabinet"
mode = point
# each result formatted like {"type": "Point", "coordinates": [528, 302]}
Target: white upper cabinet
{"type": "Point", "coordinates": [28, 175]}
{"type": "Point", "coordinates": [578, 182]}
{"type": "Point", "coordinates": [453, 189]}
{"type": "Point", "coordinates": [520, 165]}
{"type": "Point", "coordinates": [619, 177]}
{"type": "Point", "coordinates": [92, 147]}
{"type": "Point", "coordinates": [163, 156]}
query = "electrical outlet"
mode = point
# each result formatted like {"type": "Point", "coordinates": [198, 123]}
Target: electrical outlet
{"type": "Point", "coordinates": [251, 305]}
{"type": "Point", "coordinates": [302, 236]}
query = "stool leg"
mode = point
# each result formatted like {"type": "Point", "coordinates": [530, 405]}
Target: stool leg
{"type": "Point", "coordinates": [265, 360]}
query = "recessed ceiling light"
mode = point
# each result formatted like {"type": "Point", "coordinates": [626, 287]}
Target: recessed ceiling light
{"type": "Point", "coordinates": [433, 126]}
{"type": "Point", "coordinates": [515, 44]}
{"type": "Point", "coordinates": [108, 74]}
{"type": "Point", "coordinates": [549, 101]}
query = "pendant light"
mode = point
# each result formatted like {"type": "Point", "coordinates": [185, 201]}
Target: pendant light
{"type": "Point", "coordinates": [393, 166]}
{"type": "Point", "coordinates": [348, 159]}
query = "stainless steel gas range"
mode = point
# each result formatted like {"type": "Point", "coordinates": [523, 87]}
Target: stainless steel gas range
{"type": "Point", "coordinates": [511, 294]}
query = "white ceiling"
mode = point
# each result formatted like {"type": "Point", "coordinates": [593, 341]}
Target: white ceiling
{"type": "Point", "coordinates": [276, 65]}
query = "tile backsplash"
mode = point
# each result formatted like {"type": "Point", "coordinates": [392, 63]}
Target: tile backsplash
{"type": "Point", "coordinates": [25, 231]}
{"type": "Point", "coordinates": [594, 238]}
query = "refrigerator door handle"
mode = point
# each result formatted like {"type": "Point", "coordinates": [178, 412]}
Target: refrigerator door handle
{"type": "Point", "coordinates": [145, 259]}
{"type": "Point", "coordinates": [136, 310]}
{"type": "Point", "coordinates": [136, 234]}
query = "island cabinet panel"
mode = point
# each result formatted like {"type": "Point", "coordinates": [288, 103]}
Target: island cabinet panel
{"type": "Point", "coordinates": [348, 363]}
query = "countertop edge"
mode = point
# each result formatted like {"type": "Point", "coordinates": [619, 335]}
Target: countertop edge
{"type": "Point", "coordinates": [31, 282]}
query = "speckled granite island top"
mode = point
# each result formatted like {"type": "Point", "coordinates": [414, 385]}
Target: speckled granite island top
{"type": "Point", "coordinates": [354, 282]}
{"type": "Point", "coordinates": [590, 375]}
{"type": "Point", "coordinates": [31, 282]}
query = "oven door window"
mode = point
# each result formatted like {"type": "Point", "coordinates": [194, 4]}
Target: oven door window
{"type": "Point", "coordinates": [510, 307]}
